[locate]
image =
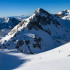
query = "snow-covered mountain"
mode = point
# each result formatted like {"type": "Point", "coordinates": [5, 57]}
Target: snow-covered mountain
{"type": "Point", "coordinates": [64, 14]}
{"type": "Point", "coordinates": [8, 22]}
{"type": "Point", "coordinates": [40, 32]}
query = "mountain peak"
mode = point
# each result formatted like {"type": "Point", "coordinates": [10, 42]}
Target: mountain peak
{"type": "Point", "coordinates": [64, 12]}
{"type": "Point", "coordinates": [40, 11]}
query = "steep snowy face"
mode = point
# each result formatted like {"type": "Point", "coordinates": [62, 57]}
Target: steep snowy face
{"type": "Point", "coordinates": [42, 18]}
{"type": "Point", "coordinates": [8, 22]}
{"type": "Point", "coordinates": [40, 32]}
{"type": "Point", "coordinates": [64, 14]}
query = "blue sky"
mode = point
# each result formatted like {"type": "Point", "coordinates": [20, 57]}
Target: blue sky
{"type": "Point", "coordinates": [27, 7]}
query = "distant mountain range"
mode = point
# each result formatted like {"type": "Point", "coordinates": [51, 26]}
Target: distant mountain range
{"type": "Point", "coordinates": [20, 18]}
{"type": "Point", "coordinates": [10, 22]}
{"type": "Point", "coordinates": [40, 32]}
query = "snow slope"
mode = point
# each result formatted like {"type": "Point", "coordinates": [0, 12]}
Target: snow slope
{"type": "Point", "coordinates": [56, 59]}
{"type": "Point", "coordinates": [4, 32]}
{"type": "Point", "coordinates": [40, 32]}
{"type": "Point", "coordinates": [7, 23]}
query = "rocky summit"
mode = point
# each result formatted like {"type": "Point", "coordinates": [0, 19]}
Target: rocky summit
{"type": "Point", "coordinates": [40, 32]}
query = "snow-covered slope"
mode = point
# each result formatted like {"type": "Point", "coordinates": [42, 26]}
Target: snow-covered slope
{"type": "Point", "coordinates": [4, 32]}
{"type": "Point", "coordinates": [8, 22]}
{"type": "Point", "coordinates": [56, 59]}
{"type": "Point", "coordinates": [40, 32]}
{"type": "Point", "coordinates": [64, 14]}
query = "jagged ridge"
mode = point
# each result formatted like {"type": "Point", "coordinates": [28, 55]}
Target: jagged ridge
{"type": "Point", "coordinates": [8, 22]}
{"type": "Point", "coordinates": [40, 32]}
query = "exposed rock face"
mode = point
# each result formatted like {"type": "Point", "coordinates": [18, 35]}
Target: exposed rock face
{"type": "Point", "coordinates": [40, 32]}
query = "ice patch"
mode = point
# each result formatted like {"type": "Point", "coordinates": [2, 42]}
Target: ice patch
{"type": "Point", "coordinates": [30, 35]}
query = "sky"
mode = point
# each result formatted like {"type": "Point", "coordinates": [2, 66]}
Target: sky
{"type": "Point", "coordinates": [28, 7]}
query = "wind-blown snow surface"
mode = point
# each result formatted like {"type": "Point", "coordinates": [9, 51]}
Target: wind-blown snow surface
{"type": "Point", "coordinates": [40, 32]}
{"type": "Point", "coordinates": [56, 59]}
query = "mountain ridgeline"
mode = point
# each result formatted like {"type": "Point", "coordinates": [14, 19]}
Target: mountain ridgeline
{"type": "Point", "coordinates": [40, 32]}
{"type": "Point", "coordinates": [8, 22]}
